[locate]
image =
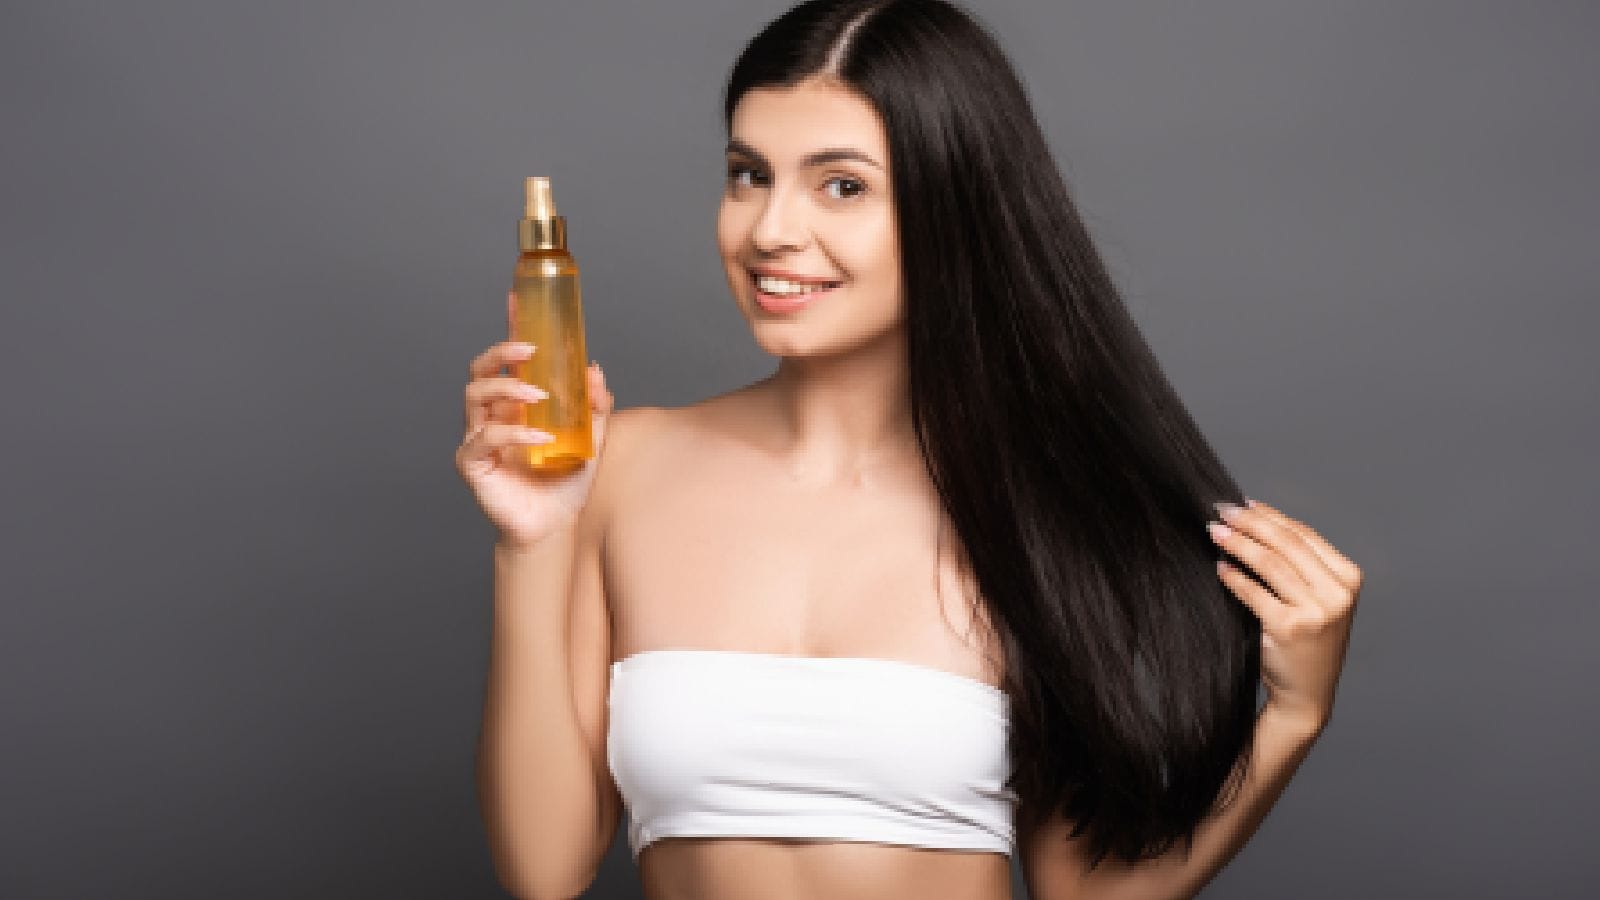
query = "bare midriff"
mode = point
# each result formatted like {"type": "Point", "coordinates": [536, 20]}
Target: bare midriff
{"type": "Point", "coordinates": [778, 869]}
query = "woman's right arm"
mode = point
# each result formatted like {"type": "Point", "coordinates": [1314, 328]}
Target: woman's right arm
{"type": "Point", "coordinates": [548, 806]}
{"type": "Point", "coordinates": [547, 799]}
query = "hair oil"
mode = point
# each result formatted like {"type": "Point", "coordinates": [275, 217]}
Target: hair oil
{"type": "Point", "coordinates": [546, 310]}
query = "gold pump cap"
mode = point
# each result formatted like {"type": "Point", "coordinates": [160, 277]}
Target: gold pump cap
{"type": "Point", "coordinates": [541, 228]}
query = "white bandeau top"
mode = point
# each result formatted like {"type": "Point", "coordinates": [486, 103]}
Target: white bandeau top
{"type": "Point", "coordinates": [733, 743]}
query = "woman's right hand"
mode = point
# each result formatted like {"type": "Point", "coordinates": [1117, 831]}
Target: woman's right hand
{"type": "Point", "coordinates": [523, 504]}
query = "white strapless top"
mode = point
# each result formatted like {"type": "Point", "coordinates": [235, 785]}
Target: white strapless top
{"type": "Point", "coordinates": [733, 743]}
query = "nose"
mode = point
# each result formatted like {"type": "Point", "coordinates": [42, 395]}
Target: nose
{"type": "Point", "coordinates": [782, 223]}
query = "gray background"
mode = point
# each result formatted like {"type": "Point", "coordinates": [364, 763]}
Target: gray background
{"type": "Point", "coordinates": [250, 248]}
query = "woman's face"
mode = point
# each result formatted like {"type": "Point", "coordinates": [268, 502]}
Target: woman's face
{"type": "Point", "coordinates": [791, 204]}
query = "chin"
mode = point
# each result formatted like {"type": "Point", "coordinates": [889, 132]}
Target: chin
{"type": "Point", "coordinates": [785, 338]}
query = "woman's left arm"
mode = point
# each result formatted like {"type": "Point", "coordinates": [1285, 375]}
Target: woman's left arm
{"type": "Point", "coordinates": [1305, 627]}
{"type": "Point", "coordinates": [1281, 742]}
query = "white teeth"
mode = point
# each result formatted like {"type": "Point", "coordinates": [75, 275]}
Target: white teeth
{"type": "Point", "coordinates": [779, 286]}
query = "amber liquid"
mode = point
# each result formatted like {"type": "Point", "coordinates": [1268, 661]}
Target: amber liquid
{"type": "Point", "coordinates": [547, 311]}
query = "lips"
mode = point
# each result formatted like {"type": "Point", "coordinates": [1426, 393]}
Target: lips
{"type": "Point", "coordinates": [791, 276]}
{"type": "Point", "coordinates": [819, 282]}
{"type": "Point", "coordinates": [788, 303]}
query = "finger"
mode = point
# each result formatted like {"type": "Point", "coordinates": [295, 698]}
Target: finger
{"type": "Point", "coordinates": [1261, 601]}
{"type": "Point", "coordinates": [1346, 571]}
{"type": "Point", "coordinates": [1250, 543]}
{"type": "Point", "coordinates": [504, 387]}
{"type": "Point", "coordinates": [497, 357]}
{"type": "Point", "coordinates": [499, 398]}
{"type": "Point", "coordinates": [506, 411]}
{"type": "Point", "coordinates": [1280, 556]}
{"type": "Point", "coordinates": [600, 399]}
{"type": "Point", "coordinates": [601, 404]}
{"type": "Point", "coordinates": [481, 443]}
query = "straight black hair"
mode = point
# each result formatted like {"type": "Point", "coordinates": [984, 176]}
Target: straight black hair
{"type": "Point", "coordinates": [1076, 482]}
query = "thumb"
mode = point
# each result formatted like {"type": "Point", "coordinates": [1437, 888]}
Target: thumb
{"type": "Point", "coordinates": [600, 404]}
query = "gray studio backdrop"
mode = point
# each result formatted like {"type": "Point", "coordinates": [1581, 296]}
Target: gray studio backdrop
{"type": "Point", "coordinates": [250, 248]}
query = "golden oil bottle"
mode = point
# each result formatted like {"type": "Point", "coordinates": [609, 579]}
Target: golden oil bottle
{"type": "Point", "coordinates": [547, 311]}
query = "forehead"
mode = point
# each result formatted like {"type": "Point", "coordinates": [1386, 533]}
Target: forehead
{"type": "Point", "coordinates": [785, 123]}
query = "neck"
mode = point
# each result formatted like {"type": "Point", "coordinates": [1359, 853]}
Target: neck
{"type": "Point", "coordinates": [843, 416]}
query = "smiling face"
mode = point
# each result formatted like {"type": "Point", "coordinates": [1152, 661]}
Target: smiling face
{"type": "Point", "coordinates": [808, 193]}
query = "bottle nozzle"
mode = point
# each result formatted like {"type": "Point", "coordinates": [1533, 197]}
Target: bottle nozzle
{"type": "Point", "coordinates": [541, 228]}
{"type": "Point", "coordinates": [538, 203]}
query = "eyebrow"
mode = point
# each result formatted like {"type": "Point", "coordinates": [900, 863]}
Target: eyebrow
{"type": "Point", "coordinates": [825, 155]}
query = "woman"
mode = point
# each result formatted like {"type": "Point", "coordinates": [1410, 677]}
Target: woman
{"type": "Point", "coordinates": [741, 624]}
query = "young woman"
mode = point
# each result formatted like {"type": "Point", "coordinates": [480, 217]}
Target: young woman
{"type": "Point", "coordinates": [942, 586]}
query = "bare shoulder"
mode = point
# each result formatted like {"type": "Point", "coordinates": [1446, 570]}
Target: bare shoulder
{"type": "Point", "coordinates": [644, 442]}
{"type": "Point", "coordinates": [669, 430]}
{"type": "Point", "coordinates": [626, 431]}
{"type": "Point", "coordinates": [626, 425]}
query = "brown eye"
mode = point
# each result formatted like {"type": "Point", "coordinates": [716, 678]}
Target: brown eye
{"type": "Point", "coordinates": [857, 190]}
{"type": "Point", "coordinates": [735, 171]}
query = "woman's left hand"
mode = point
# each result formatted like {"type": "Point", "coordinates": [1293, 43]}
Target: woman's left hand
{"type": "Point", "coordinates": [1305, 617]}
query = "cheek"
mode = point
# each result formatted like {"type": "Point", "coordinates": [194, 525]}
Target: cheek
{"type": "Point", "coordinates": [733, 225]}
{"type": "Point", "coordinates": [732, 228]}
{"type": "Point", "coordinates": [725, 229]}
{"type": "Point", "coordinates": [874, 255]}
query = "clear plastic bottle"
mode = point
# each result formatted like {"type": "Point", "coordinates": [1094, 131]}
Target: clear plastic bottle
{"type": "Point", "coordinates": [547, 311]}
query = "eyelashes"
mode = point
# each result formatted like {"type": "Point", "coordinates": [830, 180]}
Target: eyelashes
{"type": "Point", "coordinates": [734, 171]}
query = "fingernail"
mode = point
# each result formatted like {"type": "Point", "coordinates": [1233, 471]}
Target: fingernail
{"type": "Point", "coordinates": [1219, 530]}
{"type": "Point", "coordinates": [1227, 510]}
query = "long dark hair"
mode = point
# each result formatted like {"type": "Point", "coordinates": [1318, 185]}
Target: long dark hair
{"type": "Point", "coordinates": [1077, 483]}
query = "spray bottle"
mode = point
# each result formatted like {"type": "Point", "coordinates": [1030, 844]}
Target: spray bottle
{"type": "Point", "coordinates": [546, 310]}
